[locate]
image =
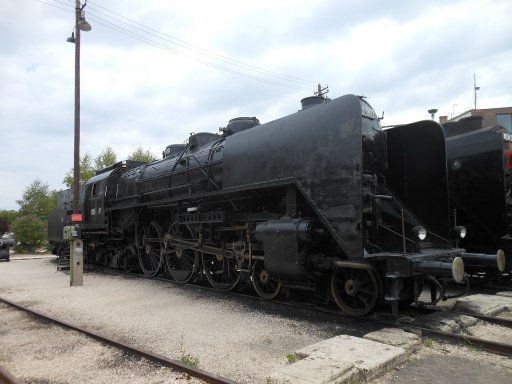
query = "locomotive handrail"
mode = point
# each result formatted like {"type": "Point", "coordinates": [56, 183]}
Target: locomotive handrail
{"type": "Point", "coordinates": [396, 233]}
{"type": "Point", "coordinates": [383, 197]}
{"type": "Point", "coordinates": [171, 173]}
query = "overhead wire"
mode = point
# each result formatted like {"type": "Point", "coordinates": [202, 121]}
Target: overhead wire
{"type": "Point", "coordinates": [204, 52]}
{"type": "Point", "coordinates": [55, 6]}
{"type": "Point", "coordinates": [275, 78]}
{"type": "Point", "coordinates": [143, 39]}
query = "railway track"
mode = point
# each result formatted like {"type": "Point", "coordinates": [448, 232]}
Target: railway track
{"type": "Point", "coordinates": [487, 345]}
{"type": "Point", "coordinates": [505, 322]}
{"type": "Point", "coordinates": [155, 357]}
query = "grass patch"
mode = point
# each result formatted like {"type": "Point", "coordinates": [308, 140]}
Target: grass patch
{"type": "Point", "coordinates": [429, 343]}
{"type": "Point", "coordinates": [471, 346]}
{"type": "Point", "coordinates": [291, 357]}
{"type": "Point", "coordinates": [189, 359]}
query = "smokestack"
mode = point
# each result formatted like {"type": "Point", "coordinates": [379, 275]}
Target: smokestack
{"type": "Point", "coordinates": [311, 101]}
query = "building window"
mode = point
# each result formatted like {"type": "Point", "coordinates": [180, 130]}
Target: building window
{"type": "Point", "coordinates": [505, 120]}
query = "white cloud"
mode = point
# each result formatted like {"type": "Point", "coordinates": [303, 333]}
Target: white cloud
{"type": "Point", "coordinates": [406, 57]}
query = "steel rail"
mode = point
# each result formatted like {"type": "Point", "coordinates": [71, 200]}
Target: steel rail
{"type": "Point", "coordinates": [155, 357]}
{"type": "Point", "coordinates": [6, 377]}
{"type": "Point", "coordinates": [32, 258]}
{"type": "Point", "coordinates": [491, 319]}
{"type": "Point", "coordinates": [487, 345]}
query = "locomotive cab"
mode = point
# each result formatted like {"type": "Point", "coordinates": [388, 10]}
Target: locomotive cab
{"type": "Point", "coordinates": [94, 205]}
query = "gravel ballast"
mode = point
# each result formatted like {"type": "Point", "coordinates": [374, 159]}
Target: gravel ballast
{"type": "Point", "coordinates": [227, 336]}
{"type": "Point", "coordinates": [39, 352]}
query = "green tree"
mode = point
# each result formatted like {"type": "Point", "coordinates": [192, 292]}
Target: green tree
{"type": "Point", "coordinates": [37, 200]}
{"type": "Point", "coordinates": [142, 155]}
{"type": "Point", "coordinates": [87, 170]}
{"type": "Point", "coordinates": [29, 233]}
{"type": "Point", "coordinates": [105, 159]}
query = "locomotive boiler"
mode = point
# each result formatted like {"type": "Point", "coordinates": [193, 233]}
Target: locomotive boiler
{"type": "Point", "coordinates": [480, 170]}
{"type": "Point", "coordinates": [320, 200]}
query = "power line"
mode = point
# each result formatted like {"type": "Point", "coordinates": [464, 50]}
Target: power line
{"type": "Point", "coordinates": [55, 6]}
{"type": "Point", "coordinates": [283, 80]}
{"type": "Point", "coordinates": [184, 44]}
{"type": "Point", "coordinates": [153, 43]}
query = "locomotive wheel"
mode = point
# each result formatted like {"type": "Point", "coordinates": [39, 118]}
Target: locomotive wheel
{"type": "Point", "coordinates": [181, 263]}
{"type": "Point", "coordinates": [150, 255]}
{"type": "Point", "coordinates": [221, 271]}
{"type": "Point", "coordinates": [129, 262]}
{"type": "Point", "coordinates": [264, 284]}
{"type": "Point", "coordinates": [355, 291]}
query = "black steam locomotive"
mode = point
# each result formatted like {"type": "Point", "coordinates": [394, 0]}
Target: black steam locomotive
{"type": "Point", "coordinates": [320, 200]}
{"type": "Point", "coordinates": [480, 174]}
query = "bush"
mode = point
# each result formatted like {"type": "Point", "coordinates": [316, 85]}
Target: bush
{"type": "Point", "coordinates": [29, 233]}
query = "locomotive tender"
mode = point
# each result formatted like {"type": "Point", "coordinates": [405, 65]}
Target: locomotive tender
{"type": "Point", "coordinates": [320, 200]}
{"type": "Point", "coordinates": [480, 170]}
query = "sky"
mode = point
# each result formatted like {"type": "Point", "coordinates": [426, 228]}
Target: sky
{"type": "Point", "coordinates": [152, 72]}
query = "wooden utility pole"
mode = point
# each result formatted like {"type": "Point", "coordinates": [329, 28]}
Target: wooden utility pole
{"type": "Point", "coordinates": [76, 164]}
{"type": "Point", "coordinates": [72, 233]}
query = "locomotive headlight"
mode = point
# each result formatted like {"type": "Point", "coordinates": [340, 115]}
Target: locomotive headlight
{"type": "Point", "coordinates": [460, 231]}
{"type": "Point", "coordinates": [420, 232]}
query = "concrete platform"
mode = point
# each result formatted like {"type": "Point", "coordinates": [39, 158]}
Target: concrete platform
{"type": "Point", "coordinates": [504, 293]}
{"type": "Point", "coordinates": [480, 304]}
{"type": "Point", "coordinates": [341, 359]}
{"type": "Point", "coordinates": [446, 321]}
{"type": "Point", "coordinates": [397, 338]}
